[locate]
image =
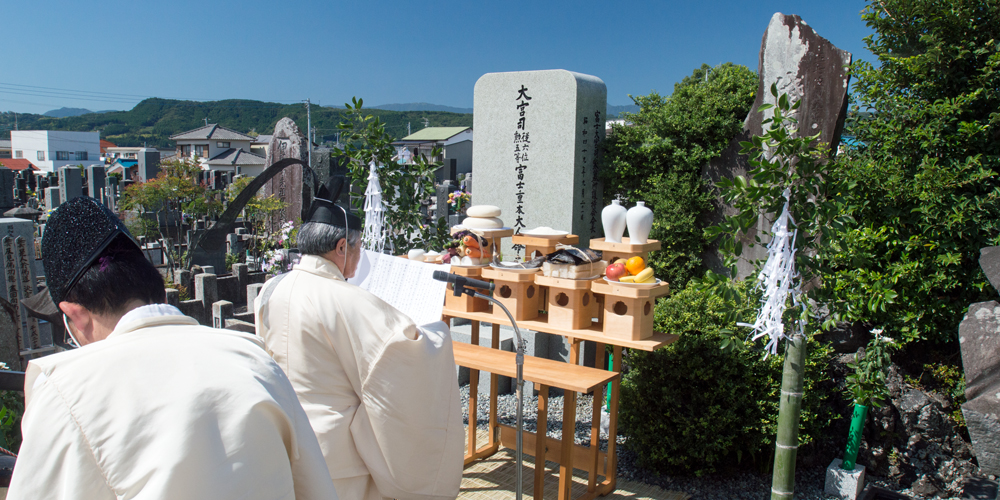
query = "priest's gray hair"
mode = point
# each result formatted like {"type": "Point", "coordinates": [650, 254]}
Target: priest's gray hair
{"type": "Point", "coordinates": [316, 238]}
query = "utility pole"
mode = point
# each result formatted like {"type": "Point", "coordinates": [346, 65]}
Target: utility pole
{"type": "Point", "coordinates": [427, 123]}
{"type": "Point", "coordinates": [206, 121]}
{"type": "Point", "coordinates": [309, 131]}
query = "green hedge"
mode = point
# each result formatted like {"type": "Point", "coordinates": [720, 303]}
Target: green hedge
{"type": "Point", "coordinates": [694, 408]}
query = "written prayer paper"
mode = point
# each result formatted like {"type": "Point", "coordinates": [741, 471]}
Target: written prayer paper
{"type": "Point", "coordinates": [405, 284]}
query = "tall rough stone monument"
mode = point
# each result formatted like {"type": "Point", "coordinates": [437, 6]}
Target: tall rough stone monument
{"type": "Point", "coordinates": [287, 142]}
{"type": "Point", "coordinates": [809, 69]}
{"type": "Point", "coordinates": [979, 338]}
{"type": "Point", "coordinates": [537, 133]}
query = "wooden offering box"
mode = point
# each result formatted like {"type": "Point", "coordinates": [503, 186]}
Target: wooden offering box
{"type": "Point", "coordinates": [517, 292]}
{"type": "Point", "coordinates": [465, 303]}
{"type": "Point", "coordinates": [628, 310]}
{"type": "Point", "coordinates": [625, 249]}
{"type": "Point", "coordinates": [542, 244]}
{"type": "Point", "coordinates": [571, 304]}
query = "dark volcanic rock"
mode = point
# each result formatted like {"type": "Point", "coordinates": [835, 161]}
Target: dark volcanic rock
{"type": "Point", "coordinates": [979, 335]}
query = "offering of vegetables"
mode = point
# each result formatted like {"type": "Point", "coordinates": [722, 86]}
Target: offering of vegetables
{"type": "Point", "coordinates": [467, 249]}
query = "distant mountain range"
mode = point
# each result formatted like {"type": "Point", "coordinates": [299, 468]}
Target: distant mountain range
{"type": "Point", "coordinates": [64, 112]}
{"type": "Point", "coordinates": [152, 121]}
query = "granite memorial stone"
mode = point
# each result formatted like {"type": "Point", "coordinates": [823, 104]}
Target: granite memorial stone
{"type": "Point", "coordinates": [979, 338]}
{"type": "Point", "coordinates": [809, 69]}
{"type": "Point", "coordinates": [70, 183]}
{"type": "Point", "coordinates": [287, 142]}
{"type": "Point", "coordinates": [536, 137]}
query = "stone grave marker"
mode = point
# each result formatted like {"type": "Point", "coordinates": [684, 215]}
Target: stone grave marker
{"type": "Point", "coordinates": [7, 201]}
{"type": "Point", "coordinates": [96, 183]}
{"type": "Point", "coordinates": [70, 183]}
{"type": "Point", "coordinates": [536, 135]}
{"type": "Point", "coordinates": [286, 142]}
{"type": "Point", "coordinates": [979, 339]}
{"type": "Point", "coordinates": [808, 68]}
{"type": "Point", "coordinates": [53, 198]}
{"type": "Point", "coordinates": [9, 341]}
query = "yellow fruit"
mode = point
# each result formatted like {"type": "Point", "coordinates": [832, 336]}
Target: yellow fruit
{"type": "Point", "coordinates": [635, 265]}
{"type": "Point", "coordinates": [645, 276]}
{"type": "Point", "coordinates": [627, 279]}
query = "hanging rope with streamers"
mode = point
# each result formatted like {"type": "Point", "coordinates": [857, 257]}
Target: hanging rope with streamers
{"type": "Point", "coordinates": [779, 281]}
{"type": "Point", "coordinates": [374, 235]}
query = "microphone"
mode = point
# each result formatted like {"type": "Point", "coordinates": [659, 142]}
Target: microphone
{"type": "Point", "coordinates": [462, 281]}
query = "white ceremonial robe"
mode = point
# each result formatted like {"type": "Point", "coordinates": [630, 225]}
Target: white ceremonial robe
{"type": "Point", "coordinates": [381, 393]}
{"type": "Point", "coordinates": [165, 409]}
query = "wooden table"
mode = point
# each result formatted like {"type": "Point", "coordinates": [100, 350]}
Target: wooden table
{"type": "Point", "coordinates": [570, 377]}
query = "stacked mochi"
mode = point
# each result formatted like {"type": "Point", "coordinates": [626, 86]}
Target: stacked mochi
{"type": "Point", "coordinates": [483, 217]}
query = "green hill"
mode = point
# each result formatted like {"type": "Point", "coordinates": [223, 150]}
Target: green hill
{"type": "Point", "coordinates": [153, 121]}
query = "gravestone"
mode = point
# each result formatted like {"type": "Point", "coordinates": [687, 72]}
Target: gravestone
{"type": "Point", "coordinates": [286, 142]}
{"type": "Point", "coordinates": [536, 137]}
{"type": "Point", "coordinates": [70, 183]}
{"type": "Point", "coordinates": [979, 339]}
{"type": "Point", "coordinates": [17, 277]}
{"type": "Point", "coordinates": [6, 190]}
{"type": "Point", "coordinates": [9, 350]}
{"type": "Point", "coordinates": [148, 164]}
{"type": "Point", "coordinates": [809, 69]}
{"type": "Point", "coordinates": [96, 183]}
{"type": "Point", "coordinates": [53, 198]}
{"type": "Point", "coordinates": [443, 190]}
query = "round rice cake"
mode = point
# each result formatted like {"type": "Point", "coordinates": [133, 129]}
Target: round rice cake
{"type": "Point", "coordinates": [482, 223]}
{"type": "Point", "coordinates": [483, 211]}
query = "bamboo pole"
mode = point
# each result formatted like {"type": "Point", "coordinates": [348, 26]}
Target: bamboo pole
{"type": "Point", "coordinates": [787, 445]}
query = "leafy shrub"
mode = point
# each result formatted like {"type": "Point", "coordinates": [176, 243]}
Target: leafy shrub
{"type": "Point", "coordinates": [658, 155]}
{"type": "Point", "coordinates": [923, 169]}
{"type": "Point", "coordinates": [693, 407]}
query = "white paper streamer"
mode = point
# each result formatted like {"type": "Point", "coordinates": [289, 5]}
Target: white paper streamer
{"type": "Point", "coordinates": [779, 280]}
{"type": "Point", "coordinates": [374, 235]}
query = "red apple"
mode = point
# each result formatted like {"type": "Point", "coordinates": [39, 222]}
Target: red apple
{"type": "Point", "coordinates": [615, 271]}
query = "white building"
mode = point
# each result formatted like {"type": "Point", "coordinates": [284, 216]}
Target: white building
{"type": "Point", "coordinates": [219, 148]}
{"type": "Point", "coordinates": [50, 149]}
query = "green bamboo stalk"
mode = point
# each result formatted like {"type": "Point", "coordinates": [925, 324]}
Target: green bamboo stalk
{"type": "Point", "coordinates": [787, 444]}
{"type": "Point", "coordinates": [854, 438]}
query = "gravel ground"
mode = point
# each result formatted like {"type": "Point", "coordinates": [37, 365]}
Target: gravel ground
{"type": "Point", "coordinates": [809, 481]}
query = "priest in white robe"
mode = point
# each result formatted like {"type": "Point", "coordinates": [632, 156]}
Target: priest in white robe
{"type": "Point", "coordinates": [152, 405]}
{"type": "Point", "coordinates": [381, 394]}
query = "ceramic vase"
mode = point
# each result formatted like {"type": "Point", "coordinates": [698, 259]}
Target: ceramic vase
{"type": "Point", "coordinates": [613, 218]}
{"type": "Point", "coordinates": [640, 221]}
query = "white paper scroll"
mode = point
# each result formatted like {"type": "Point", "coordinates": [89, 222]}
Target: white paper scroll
{"type": "Point", "coordinates": [405, 284]}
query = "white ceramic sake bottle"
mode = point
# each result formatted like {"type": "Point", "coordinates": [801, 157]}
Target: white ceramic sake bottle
{"type": "Point", "coordinates": [613, 218]}
{"type": "Point", "coordinates": [640, 221]}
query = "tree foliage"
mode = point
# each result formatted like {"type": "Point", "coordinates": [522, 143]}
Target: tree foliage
{"type": "Point", "coordinates": [173, 193]}
{"type": "Point", "coordinates": [403, 186]}
{"type": "Point", "coordinates": [923, 170]}
{"type": "Point", "coordinates": [658, 154]}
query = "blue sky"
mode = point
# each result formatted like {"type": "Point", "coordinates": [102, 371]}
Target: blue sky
{"type": "Point", "coordinates": [115, 53]}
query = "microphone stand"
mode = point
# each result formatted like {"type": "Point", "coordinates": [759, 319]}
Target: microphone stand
{"type": "Point", "coordinates": [519, 359]}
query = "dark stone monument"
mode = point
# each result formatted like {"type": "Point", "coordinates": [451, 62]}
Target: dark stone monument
{"type": "Point", "coordinates": [809, 69]}
{"type": "Point", "coordinates": [70, 183]}
{"type": "Point", "coordinates": [443, 190]}
{"type": "Point", "coordinates": [448, 171]}
{"type": "Point", "coordinates": [287, 142]}
{"type": "Point", "coordinates": [7, 201]}
{"type": "Point", "coordinates": [96, 183]}
{"type": "Point", "coordinates": [148, 164]}
{"type": "Point", "coordinates": [979, 338]}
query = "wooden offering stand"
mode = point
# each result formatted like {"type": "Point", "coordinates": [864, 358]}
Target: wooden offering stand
{"type": "Point", "coordinates": [625, 249]}
{"type": "Point", "coordinates": [516, 291]}
{"type": "Point", "coordinates": [542, 244]}
{"type": "Point", "coordinates": [571, 306]}
{"type": "Point", "coordinates": [468, 303]}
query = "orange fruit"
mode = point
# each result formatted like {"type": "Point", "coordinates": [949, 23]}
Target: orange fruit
{"type": "Point", "coordinates": [635, 265]}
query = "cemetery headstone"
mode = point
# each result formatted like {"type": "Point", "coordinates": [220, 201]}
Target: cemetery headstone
{"type": "Point", "coordinates": [96, 183]}
{"type": "Point", "coordinates": [7, 201]}
{"type": "Point", "coordinates": [148, 164]}
{"type": "Point", "coordinates": [979, 339]}
{"type": "Point", "coordinates": [10, 353]}
{"type": "Point", "coordinates": [809, 69]}
{"type": "Point", "coordinates": [70, 183]}
{"type": "Point", "coordinates": [286, 142]}
{"type": "Point", "coordinates": [443, 190]}
{"type": "Point", "coordinates": [53, 198]}
{"type": "Point", "coordinates": [536, 137]}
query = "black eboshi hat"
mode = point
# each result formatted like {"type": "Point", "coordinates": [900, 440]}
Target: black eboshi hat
{"type": "Point", "coordinates": [325, 211]}
{"type": "Point", "coordinates": [75, 235]}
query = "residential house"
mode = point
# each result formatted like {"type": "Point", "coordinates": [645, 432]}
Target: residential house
{"type": "Point", "coordinates": [18, 164]}
{"type": "Point", "coordinates": [51, 149]}
{"type": "Point", "coordinates": [5, 148]}
{"type": "Point", "coordinates": [219, 148]}
{"type": "Point", "coordinates": [455, 143]}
